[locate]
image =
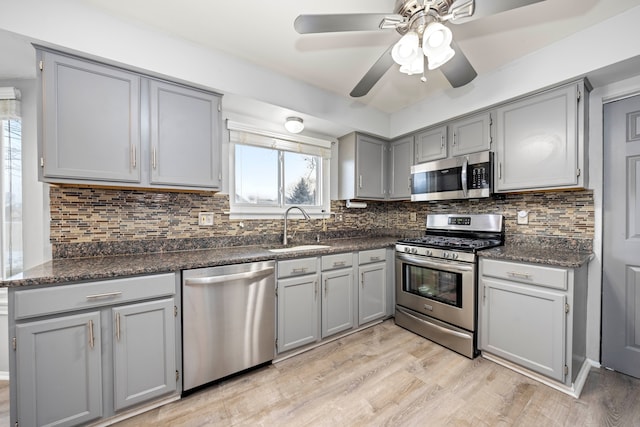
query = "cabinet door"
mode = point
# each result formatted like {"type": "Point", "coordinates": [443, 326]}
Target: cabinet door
{"type": "Point", "coordinates": [143, 352]}
{"type": "Point", "coordinates": [298, 312]}
{"type": "Point", "coordinates": [372, 292]}
{"type": "Point", "coordinates": [90, 123]}
{"type": "Point", "coordinates": [185, 136]}
{"type": "Point", "coordinates": [538, 141]}
{"type": "Point", "coordinates": [471, 135]}
{"type": "Point", "coordinates": [400, 161]}
{"type": "Point", "coordinates": [337, 301]}
{"type": "Point", "coordinates": [431, 144]}
{"type": "Point", "coordinates": [370, 170]}
{"type": "Point", "coordinates": [59, 366]}
{"type": "Point", "coordinates": [525, 325]}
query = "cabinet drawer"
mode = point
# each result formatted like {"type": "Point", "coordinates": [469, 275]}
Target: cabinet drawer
{"type": "Point", "coordinates": [58, 299]}
{"type": "Point", "coordinates": [330, 262]}
{"type": "Point", "coordinates": [373, 255]}
{"type": "Point", "coordinates": [535, 274]}
{"type": "Point", "coordinates": [297, 267]}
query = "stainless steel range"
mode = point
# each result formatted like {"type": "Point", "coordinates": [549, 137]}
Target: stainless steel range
{"type": "Point", "coordinates": [436, 278]}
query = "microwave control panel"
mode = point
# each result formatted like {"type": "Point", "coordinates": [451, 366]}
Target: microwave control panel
{"type": "Point", "coordinates": [479, 175]}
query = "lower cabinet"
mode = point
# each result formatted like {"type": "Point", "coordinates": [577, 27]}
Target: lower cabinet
{"type": "Point", "coordinates": [319, 297]}
{"type": "Point", "coordinates": [144, 360]}
{"type": "Point", "coordinates": [372, 292]}
{"type": "Point", "coordinates": [59, 371]}
{"type": "Point", "coordinates": [88, 351]}
{"type": "Point", "coordinates": [534, 316]}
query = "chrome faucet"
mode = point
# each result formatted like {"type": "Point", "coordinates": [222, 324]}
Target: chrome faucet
{"type": "Point", "coordinates": [286, 214]}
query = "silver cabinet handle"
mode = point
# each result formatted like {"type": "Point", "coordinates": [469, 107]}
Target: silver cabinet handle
{"type": "Point", "coordinates": [118, 326]}
{"type": "Point", "coordinates": [360, 181]}
{"type": "Point", "coordinates": [91, 337]}
{"type": "Point", "coordinates": [133, 156]}
{"type": "Point", "coordinates": [227, 277]}
{"type": "Point", "coordinates": [326, 290]}
{"type": "Point", "coordinates": [105, 295]}
{"type": "Point", "coordinates": [441, 141]}
{"type": "Point", "coordinates": [315, 287]}
{"type": "Point", "coordinates": [519, 274]}
{"type": "Point", "coordinates": [374, 258]}
{"type": "Point", "coordinates": [338, 264]}
{"type": "Point", "coordinates": [454, 138]}
{"type": "Point", "coordinates": [499, 170]}
{"type": "Point", "coordinates": [362, 280]}
{"type": "Point", "coordinates": [299, 270]}
{"type": "Point", "coordinates": [154, 158]}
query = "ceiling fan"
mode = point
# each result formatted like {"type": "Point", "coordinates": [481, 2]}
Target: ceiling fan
{"type": "Point", "coordinates": [426, 41]}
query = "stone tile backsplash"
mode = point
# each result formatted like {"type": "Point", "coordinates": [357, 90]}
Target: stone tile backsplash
{"type": "Point", "coordinates": [94, 221]}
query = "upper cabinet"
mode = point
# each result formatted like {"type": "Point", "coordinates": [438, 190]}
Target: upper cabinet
{"type": "Point", "coordinates": [541, 140]}
{"type": "Point", "coordinates": [471, 134]}
{"type": "Point", "coordinates": [400, 161]}
{"type": "Point", "coordinates": [103, 125]}
{"type": "Point", "coordinates": [431, 144]}
{"type": "Point", "coordinates": [362, 168]}
{"type": "Point", "coordinates": [90, 121]}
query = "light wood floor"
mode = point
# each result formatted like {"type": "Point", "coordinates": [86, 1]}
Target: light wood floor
{"type": "Point", "coordinates": [386, 375]}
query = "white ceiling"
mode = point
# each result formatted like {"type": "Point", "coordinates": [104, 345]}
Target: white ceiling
{"type": "Point", "coordinates": [262, 32]}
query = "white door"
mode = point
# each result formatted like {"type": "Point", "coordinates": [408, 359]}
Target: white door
{"type": "Point", "coordinates": [621, 238]}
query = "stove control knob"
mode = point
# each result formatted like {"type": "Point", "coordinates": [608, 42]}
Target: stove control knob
{"type": "Point", "coordinates": [454, 256]}
{"type": "Point", "coordinates": [407, 250]}
{"type": "Point", "coordinates": [427, 252]}
{"type": "Point", "coordinates": [414, 250]}
{"type": "Point", "coordinates": [445, 255]}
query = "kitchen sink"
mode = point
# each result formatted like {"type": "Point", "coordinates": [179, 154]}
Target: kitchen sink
{"type": "Point", "coordinates": [299, 248]}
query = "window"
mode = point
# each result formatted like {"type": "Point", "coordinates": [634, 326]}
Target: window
{"type": "Point", "coordinates": [270, 174]}
{"type": "Point", "coordinates": [11, 138]}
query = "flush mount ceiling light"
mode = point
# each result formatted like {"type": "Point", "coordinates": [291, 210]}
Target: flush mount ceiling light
{"type": "Point", "coordinates": [294, 124]}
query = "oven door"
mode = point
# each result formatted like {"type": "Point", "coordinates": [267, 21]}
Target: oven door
{"type": "Point", "coordinates": [438, 288]}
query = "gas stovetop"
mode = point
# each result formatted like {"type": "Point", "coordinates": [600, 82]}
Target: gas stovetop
{"type": "Point", "coordinates": [457, 243]}
{"type": "Point", "coordinates": [456, 236]}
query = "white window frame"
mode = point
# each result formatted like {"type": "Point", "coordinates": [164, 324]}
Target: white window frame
{"type": "Point", "coordinates": [247, 135]}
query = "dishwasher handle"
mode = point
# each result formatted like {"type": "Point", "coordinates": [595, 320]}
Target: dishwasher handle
{"type": "Point", "coordinates": [212, 280]}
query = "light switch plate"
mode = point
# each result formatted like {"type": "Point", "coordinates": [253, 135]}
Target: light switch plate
{"type": "Point", "coordinates": [205, 219]}
{"type": "Point", "coordinates": [413, 217]}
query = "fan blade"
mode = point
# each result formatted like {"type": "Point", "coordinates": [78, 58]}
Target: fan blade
{"type": "Point", "coordinates": [485, 8]}
{"type": "Point", "coordinates": [374, 74]}
{"type": "Point", "coordinates": [458, 70]}
{"type": "Point", "coordinates": [305, 24]}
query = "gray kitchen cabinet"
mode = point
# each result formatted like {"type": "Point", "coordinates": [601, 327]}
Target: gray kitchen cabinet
{"type": "Point", "coordinates": [59, 372]}
{"type": "Point", "coordinates": [86, 351]}
{"type": "Point", "coordinates": [400, 161]}
{"type": "Point", "coordinates": [90, 124]}
{"type": "Point", "coordinates": [298, 303]}
{"type": "Point", "coordinates": [362, 167]}
{"type": "Point", "coordinates": [184, 132]}
{"type": "Point", "coordinates": [471, 134]}
{"type": "Point", "coordinates": [103, 125]}
{"type": "Point", "coordinates": [372, 292]}
{"type": "Point", "coordinates": [431, 144]}
{"type": "Point", "coordinates": [541, 140]}
{"type": "Point", "coordinates": [338, 302]}
{"type": "Point", "coordinates": [534, 316]}
{"type": "Point", "coordinates": [143, 352]}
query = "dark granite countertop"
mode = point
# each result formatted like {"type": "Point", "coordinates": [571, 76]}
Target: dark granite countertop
{"type": "Point", "coordinates": [65, 270]}
{"type": "Point", "coordinates": [560, 257]}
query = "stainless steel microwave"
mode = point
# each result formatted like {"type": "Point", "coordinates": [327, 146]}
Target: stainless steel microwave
{"type": "Point", "coordinates": [462, 177]}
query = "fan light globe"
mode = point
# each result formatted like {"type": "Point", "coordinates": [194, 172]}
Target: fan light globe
{"type": "Point", "coordinates": [441, 59]}
{"type": "Point", "coordinates": [407, 49]}
{"type": "Point", "coordinates": [436, 44]}
{"type": "Point", "coordinates": [294, 124]}
{"type": "Point", "coordinates": [416, 67]}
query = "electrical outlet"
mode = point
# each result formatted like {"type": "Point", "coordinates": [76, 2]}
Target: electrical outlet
{"type": "Point", "coordinates": [339, 217]}
{"type": "Point", "coordinates": [413, 216]}
{"type": "Point", "coordinates": [523, 217]}
{"type": "Point", "coordinates": [205, 219]}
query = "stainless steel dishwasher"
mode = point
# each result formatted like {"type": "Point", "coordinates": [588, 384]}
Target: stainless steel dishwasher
{"type": "Point", "coordinates": [228, 320]}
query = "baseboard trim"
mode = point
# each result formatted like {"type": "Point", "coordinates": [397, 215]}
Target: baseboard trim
{"type": "Point", "coordinates": [574, 390]}
{"type": "Point", "coordinates": [136, 411]}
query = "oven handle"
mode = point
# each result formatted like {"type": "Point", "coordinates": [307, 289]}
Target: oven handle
{"type": "Point", "coordinates": [433, 325]}
{"type": "Point", "coordinates": [440, 264]}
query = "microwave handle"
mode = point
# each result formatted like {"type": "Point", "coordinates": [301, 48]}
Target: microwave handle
{"type": "Point", "coordinates": [463, 176]}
